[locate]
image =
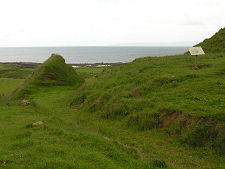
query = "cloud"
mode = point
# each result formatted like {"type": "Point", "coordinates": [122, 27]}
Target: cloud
{"type": "Point", "coordinates": [94, 22]}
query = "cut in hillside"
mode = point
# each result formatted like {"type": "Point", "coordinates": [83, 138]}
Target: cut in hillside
{"type": "Point", "coordinates": [215, 44]}
{"type": "Point", "coordinates": [53, 72]}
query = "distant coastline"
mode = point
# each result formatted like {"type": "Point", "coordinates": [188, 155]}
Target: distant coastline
{"type": "Point", "coordinates": [34, 65]}
{"type": "Point", "coordinates": [83, 55]}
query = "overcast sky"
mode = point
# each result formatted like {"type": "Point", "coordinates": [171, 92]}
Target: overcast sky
{"type": "Point", "coordinates": [108, 22]}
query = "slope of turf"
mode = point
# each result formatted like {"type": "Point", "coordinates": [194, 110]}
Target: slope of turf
{"type": "Point", "coordinates": [60, 142]}
{"type": "Point", "coordinates": [83, 136]}
{"type": "Point", "coordinates": [215, 44]}
{"type": "Point", "coordinates": [78, 139]}
{"type": "Point", "coordinates": [163, 93]}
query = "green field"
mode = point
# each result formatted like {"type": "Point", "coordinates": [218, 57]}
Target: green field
{"type": "Point", "coordinates": [129, 116]}
{"type": "Point", "coordinates": [155, 112]}
{"type": "Point", "coordinates": [7, 85]}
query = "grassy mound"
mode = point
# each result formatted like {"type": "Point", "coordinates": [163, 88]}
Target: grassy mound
{"type": "Point", "coordinates": [53, 72]}
{"type": "Point", "coordinates": [215, 44]}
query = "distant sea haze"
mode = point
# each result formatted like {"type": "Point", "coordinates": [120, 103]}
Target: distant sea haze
{"type": "Point", "coordinates": [78, 55]}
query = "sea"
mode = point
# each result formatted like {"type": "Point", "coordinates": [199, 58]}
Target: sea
{"type": "Point", "coordinates": [81, 55]}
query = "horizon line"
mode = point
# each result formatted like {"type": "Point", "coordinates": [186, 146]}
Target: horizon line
{"type": "Point", "coordinates": [97, 46]}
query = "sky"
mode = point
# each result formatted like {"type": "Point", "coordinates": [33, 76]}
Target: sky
{"type": "Point", "coordinates": [109, 22]}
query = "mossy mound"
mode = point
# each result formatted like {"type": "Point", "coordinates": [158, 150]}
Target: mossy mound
{"type": "Point", "coordinates": [215, 44]}
{"type": "Point", "coordinates": [53, 72]}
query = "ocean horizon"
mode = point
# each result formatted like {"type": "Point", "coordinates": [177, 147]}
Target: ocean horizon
{"type": "Point", "coordinates": [86, 54]}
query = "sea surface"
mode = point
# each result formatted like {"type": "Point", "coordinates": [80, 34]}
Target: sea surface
{"type": "Point", "coordinates": [85, 54]}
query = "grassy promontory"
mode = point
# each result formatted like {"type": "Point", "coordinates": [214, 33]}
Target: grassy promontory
{"type": "Point", "coordinates": [215, 44]}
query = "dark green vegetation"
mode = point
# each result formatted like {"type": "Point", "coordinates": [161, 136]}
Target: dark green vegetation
{"type": "Point", "coordinates": [150, 113]}
{"type": "Point", "coordinates": [215, 44]}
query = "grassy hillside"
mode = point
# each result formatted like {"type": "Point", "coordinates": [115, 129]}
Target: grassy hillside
{"type": "Point", "coordinates": [62, 141]}
{"type": "Point", "coordinates": [72, 136]}
{"type": "Point", "coordinates": [163, 93]}
{"type": "Point", "coordinates": [215, 44]}
{"type": "Point", "coordinates": [155, 112]}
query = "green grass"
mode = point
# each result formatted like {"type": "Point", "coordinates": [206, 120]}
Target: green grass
{"type": "Point", "coordinates": [12, 77]}
{"type": "Point", "coordinates": [90, 72]}
{"type": "Point", "coordinates": [72, 139]}
{"type": "Point", "coordinates": [163, 93]}
{"type": "Point", "coordinates": [160, 83]}
{"type": "Point", "coordinates": [151, 113]}
{"type": "Point", "coordinates": [61, 142]}
{"type": "Point", "coordinates": [11, 71]}
{"type": "Point", "coordinates": [7, 85]}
